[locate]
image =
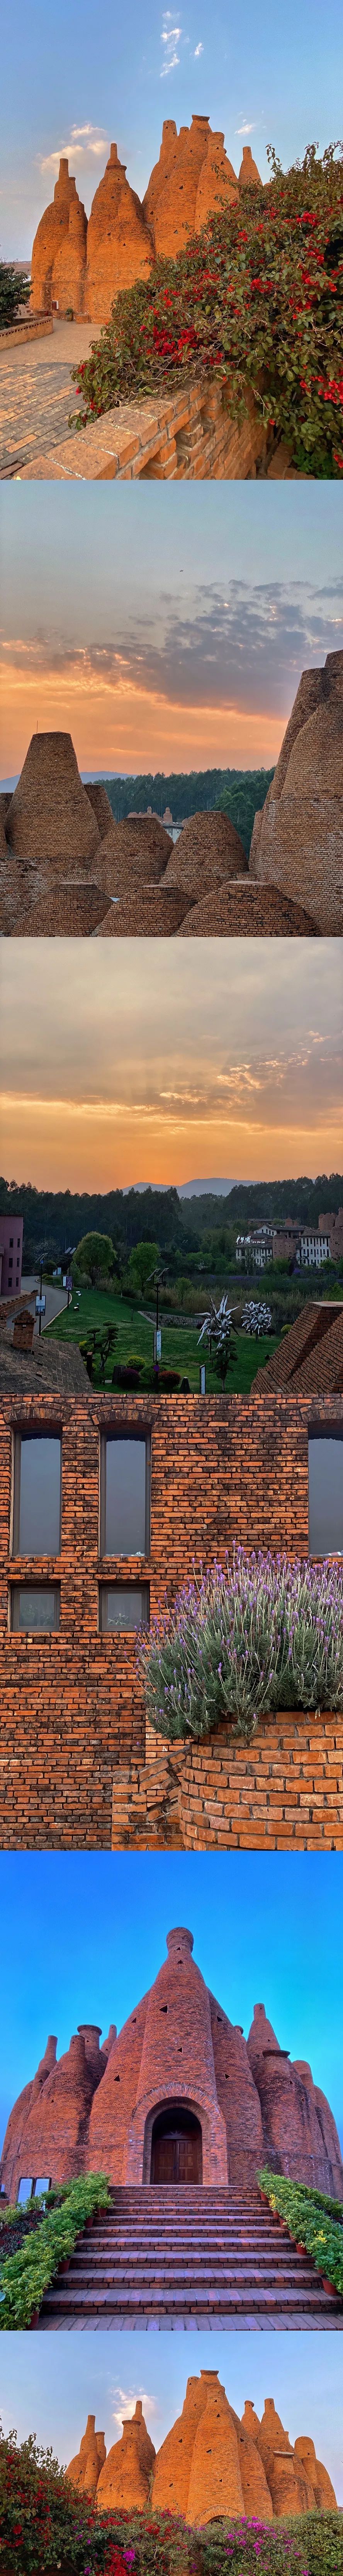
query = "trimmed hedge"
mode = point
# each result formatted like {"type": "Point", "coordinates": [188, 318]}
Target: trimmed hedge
{"type": "Point", "coordinates": [312, 2221]}
{"type": "Point", "coordinates": [26, 2275]}
{"type": "Point", "coordinates": [255, 299]}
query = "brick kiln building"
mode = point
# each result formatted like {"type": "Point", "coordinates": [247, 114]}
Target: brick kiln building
{"type": "Point", "coordinates": [68, 870]}
{"type": "Point", "coordinates": [107, 1503]}
{"type": "Point", "coordinates": [297, 840]}
{"type": "Point", "coordinates": [178, 2098]}
{"type": "Point", "coordinates": [212, 2462]}
{"type": "Point", "coordinates": [80, 268]}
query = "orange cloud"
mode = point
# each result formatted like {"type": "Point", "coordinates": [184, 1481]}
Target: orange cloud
{"type": "Point", "coordinates": [127, 728]}
{"type": "Point", "coordinates": [83, 1145]}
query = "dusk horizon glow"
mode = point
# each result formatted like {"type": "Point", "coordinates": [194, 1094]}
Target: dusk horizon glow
{"type": "Point", "coordinates": [148, 1060]}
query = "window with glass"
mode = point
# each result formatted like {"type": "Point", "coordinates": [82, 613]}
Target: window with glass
{"type": "Point", "coordinates": [125, 1495]}
{"type": "Point", "coordinates": [35, 1606]}
{"type": "Point", "coordinates": [325, 1491]}
{"type": "Point", "coordinates": [37, 1494]}
{"type": "Point", "coordinates": [123, 1606]}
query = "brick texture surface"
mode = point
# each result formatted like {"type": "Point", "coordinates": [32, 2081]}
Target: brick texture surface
{"type": "Point", "coordinates": [224, 1470]}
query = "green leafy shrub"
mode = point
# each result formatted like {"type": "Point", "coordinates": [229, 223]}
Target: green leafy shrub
{"type": "Point", "coordinates": [14, 290]}
{"type": "Point", "coordinates": [312, 2220]}
{"type": "Point", "coordinates": [256, 301]}
{"type": "Point", "coordinates": [25, 2275]}
{"type": "Point", "coordinates": [309, 2546]}
{"type": "Point", "coordinates": [262, 1635]}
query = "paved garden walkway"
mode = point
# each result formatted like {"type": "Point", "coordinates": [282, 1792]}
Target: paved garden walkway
{"type": "Point", "coordinates": [36, 393]}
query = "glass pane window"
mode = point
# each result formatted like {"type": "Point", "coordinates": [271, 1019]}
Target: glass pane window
{"type": "Point", "coordinates": [37, 1495]}
{"type": "Point", "coordinates": [33, 1608]}
{"type": "Point", "coordinates": [325, 1494]}
{"type": "Point", "coordinates": [125, 1512]}
{"type": "Point", "coordinates": [122, 1607]}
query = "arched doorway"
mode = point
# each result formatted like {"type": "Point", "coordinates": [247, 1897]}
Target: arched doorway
{"type": "Point", "coordinates": [176, 2146]}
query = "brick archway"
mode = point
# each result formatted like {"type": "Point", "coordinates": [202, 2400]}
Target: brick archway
{"type": "Point", "coordinates": [176, 2146]}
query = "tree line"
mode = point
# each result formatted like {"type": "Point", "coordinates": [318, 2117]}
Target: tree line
{"type": "Point", "coordinates": [238, 793]}
{"type": "Point", "coordinates": [185, 1230]}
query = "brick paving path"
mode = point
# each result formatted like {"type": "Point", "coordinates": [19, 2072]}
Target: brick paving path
{"type": "Point", "coordinates": [36, 395]}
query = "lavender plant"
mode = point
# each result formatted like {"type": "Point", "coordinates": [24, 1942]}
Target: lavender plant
{"type": "Point", "coordinates": [241, 1641]}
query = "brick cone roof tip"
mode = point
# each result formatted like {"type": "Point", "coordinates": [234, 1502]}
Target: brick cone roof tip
{"type": "Point", "coordinates": [49, 808]}
{"type": "Point", "coordinates": [96, 2109]}
{"type": "Point", "coordinates": [211, 2463]}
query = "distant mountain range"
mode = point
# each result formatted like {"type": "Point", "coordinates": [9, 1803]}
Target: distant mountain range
{"type": "Point", "coordinates": [190, 1189]}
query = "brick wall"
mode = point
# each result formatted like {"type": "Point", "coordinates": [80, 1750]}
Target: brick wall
{"type": "Point", "coordinates": [224, 1470]}
{"type": "Point", "coordinates": [183, 437]}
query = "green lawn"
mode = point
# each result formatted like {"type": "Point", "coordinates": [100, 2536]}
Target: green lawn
{"type": "Point", "coordinates": [135, 1336]}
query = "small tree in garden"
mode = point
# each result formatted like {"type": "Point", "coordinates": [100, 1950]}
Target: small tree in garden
{"type": "Point", "coordinates": [143, 1260]}
{"type": "Point", "coordinates": [216, 1332]}
{"type": "Point", "coordinates": [14, 291]}
{"type": "Point", "coordinates": [256, 1319]}
{"type": "Point", "coordinates": [95, 1259]}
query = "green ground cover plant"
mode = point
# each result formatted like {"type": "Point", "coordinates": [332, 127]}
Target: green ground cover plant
{"type": "Point", "coordinates": [313, 2221]}
{"type": "Point", "coordinates": [25, 2275]}
{"type": "Point", "coordinates": [255, 301]}
{"type": "Point", "coordinates": [242, 1640]}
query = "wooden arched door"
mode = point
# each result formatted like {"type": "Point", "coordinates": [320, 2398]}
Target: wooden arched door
{"type": "Point", "coordinates": [176, 2147]}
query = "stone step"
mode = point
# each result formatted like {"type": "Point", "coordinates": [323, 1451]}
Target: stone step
{"type": "Point", "coordinates": [188, 2258]}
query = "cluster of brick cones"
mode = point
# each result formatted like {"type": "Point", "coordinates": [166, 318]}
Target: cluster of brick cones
{"type": "Point", "coordinates": [212, 2463]}
{"type": "Point", "coordinates": [81, 267]}
{"type": "Point", "coordinates": [70, 871]}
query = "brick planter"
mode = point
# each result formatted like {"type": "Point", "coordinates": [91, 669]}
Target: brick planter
{"type": "Point", "coordinates": [285, 1788]}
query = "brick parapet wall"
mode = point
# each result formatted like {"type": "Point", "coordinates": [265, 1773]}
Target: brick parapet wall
{"type": "Point", "coordinates": [35, 329]}
{"type": "Point", "coordinates": [224, 1470]}
{"type": "Point", "coordinates": [187, 437]}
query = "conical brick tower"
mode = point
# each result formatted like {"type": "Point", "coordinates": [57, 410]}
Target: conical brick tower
{"type": "Point", "coordinates": [323, 2491]}
{"type": "Point", "coordinates": [124, 2481]}
{"type": "Point", "coordinates": [290, 2488]}
{"type": "Point", "coordinates": [51, 240]}
{"type": "Point", "coordinates": [297, 840]}
{"type": "Point", "coordinates": [175, 211]}
{"type": "Point", "coordinates": [248, 175]}
{"type": "Point", "coordinates": [119, 245]}
{"type": "Point", "coordinates": [50, 814]}
{"type": "Point", "coordinates": [217, 186]}
{"type": "Point", "coordinates": [84, 2470]}
{"type": "Point", "coordinates": [69, 275]}
{"type": "Point", "coordinates": [169, 152]}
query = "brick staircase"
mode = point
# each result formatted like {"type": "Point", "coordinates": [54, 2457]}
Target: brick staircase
{"type": "Point", "coordinates": [188, 2258]}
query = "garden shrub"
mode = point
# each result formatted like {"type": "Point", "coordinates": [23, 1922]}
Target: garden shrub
{"type": "Point", "coordinates": [312, 2220]}
{"type": "Point", "coordinates": [309, 2546]}
{"type": "Point", "coordinates": [259, 1636]}
{"type": "Point", "coordinates": [256, 301]}
{"type": "Point", "coordinates": [25, 2275]}
{"type": "Point", "coordinates": [14, 290]}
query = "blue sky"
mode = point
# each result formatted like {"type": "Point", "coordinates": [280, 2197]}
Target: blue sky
{"type": "Point", "coordinates": [48, 2385]}
{"type": "Point", "coordinates": [272, 76]}
{"type": "Point", "coordinates": [85, 1935]}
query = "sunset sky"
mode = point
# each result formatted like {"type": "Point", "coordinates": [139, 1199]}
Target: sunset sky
{"type": "Point", "coordinates": [157, 1061]}
{"type": "Point", "coordinates": [262, 78]}
{"type": "Point", "coordinates": [164, 626]}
